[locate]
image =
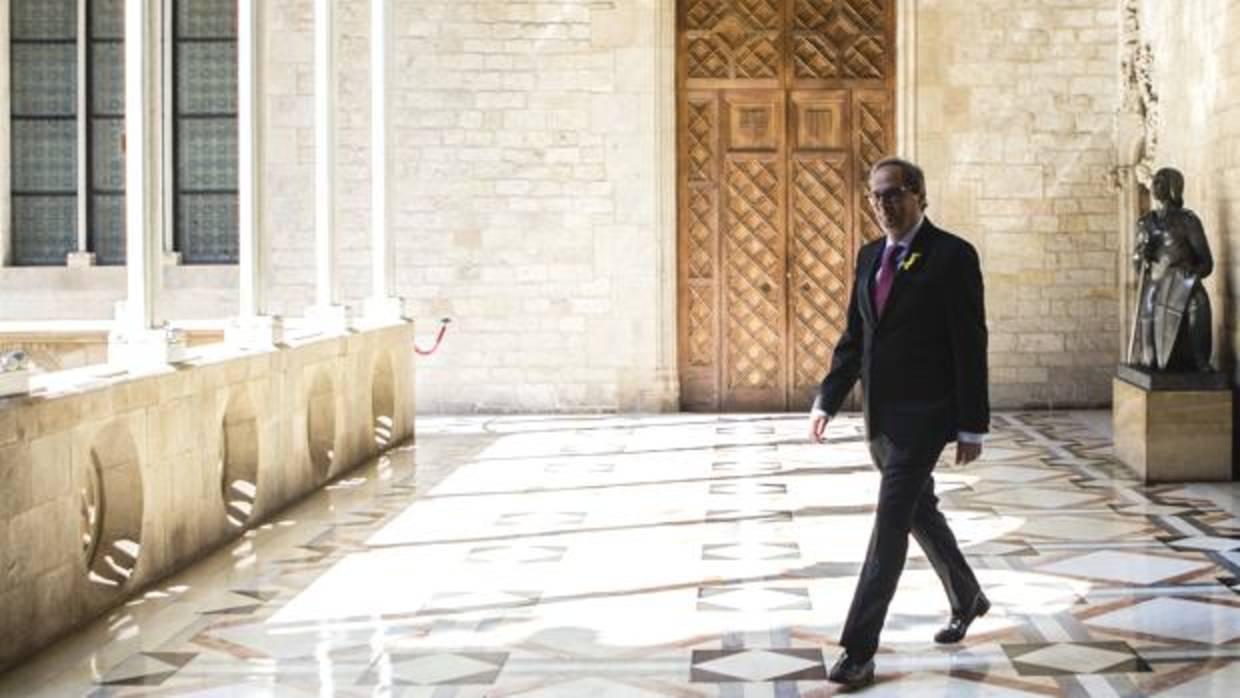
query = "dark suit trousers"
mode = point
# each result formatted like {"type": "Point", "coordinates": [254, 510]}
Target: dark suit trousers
{"type": "Point", "coordinates": [906, 504]}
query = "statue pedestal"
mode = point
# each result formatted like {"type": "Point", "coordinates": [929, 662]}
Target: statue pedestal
{"type": "Point", "coordinates": [1172, 427]}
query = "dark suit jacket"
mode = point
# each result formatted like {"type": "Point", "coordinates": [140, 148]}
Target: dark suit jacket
{"type": "Point", "coordinates": [923, 364]}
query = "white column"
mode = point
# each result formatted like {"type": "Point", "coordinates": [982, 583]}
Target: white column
{"type": "Point", "coordinates": [326, 312]}
{"type": "Point", "coordinates": [140, 339]}
{"type": "Point", "coordinates": [81, 256]}
{"type": "Point", "coordinates": [253, 327]}
{"type": "Point", "coordinates": [382, 305]}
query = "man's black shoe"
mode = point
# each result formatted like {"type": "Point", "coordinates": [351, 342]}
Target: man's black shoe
{"type": "Point", "coordinates": [958, 626]}
{"type": "Point", "coordinates": [851, 673]}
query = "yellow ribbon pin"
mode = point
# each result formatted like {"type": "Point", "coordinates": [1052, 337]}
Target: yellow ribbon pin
{"type": "Point", "coordinates": [909, 261]}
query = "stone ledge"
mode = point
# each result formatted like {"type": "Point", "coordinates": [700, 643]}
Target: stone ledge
{"type": "Point", "coordinates": [1160, 380]}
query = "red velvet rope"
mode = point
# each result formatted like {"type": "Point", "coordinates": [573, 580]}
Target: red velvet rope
{"type": "Point", "coordinates": [443, 328]}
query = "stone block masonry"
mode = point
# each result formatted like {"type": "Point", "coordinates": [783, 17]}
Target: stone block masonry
{"type": "Point", "coordinates": [1015, 127]}
{"type": "Point", "coordinates": [110, 482]}
{"type": "Point", "coordinates": [530, 179]}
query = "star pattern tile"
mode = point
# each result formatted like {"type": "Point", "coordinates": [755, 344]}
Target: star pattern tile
{"type": "Point", "coordinates": [1177, 619]}
{"type": "Point", "coordinates": [460, 602]}
{"type": "Point", "coordinates": [752, 488]}
{"type": "Point", "coordinates": [1120, 566]}
{"type": "Point", "coordinates": [753, 599]}
{"type": "Point", "coordinates": [1056, 659]}
{"type": "Point", "coordinates": [463, 668]}
{"type": "Point", "coordinates": [1213, 543]}
{"type": "Point", "coordinates": [517, 554]}
{"type": "Point", "coordinates": [751, 551]}
{"type": "Point", "coordinates": [757, 665]}
{"type": "Point", "coordinates": [682, 555]}
{"type": "Point", "coordinates": [1038, 498]}
{"type": "Point", "coordinates": [541, 519]}
{"type": "Point", "coordinates": [148, 669]}
{"type": "Point", "coordinates": [1019, 474]}
{"type": "Point", "coordinates": [1080, 527]}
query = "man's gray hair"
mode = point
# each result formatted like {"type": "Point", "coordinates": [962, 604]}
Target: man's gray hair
{"type": "Point", "coordinates": [914, 178]}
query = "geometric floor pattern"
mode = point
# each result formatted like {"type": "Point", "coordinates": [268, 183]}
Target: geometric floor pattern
{"type": "Point", "coordinates": [683, 555]}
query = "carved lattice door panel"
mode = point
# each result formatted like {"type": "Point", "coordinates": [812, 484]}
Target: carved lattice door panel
{"type": "Point", "coordinates": [783, 106]}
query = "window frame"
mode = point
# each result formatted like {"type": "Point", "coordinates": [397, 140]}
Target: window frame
{"type": "Point", "coordinates": [175, 119]}
{"type": "Point", "coordinates": [11, 249]}
{"type": "Point", "coordinates": [86, 233]}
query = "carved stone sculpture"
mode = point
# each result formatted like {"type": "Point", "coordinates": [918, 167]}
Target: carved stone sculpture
{"type": "Point", "coordinates": [1172, 328]}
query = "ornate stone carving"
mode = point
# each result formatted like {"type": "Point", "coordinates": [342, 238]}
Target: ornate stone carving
{"type": "Point", "coordinates": [1137, 125]}
{"type": "Point", "coordinates": [1138, 117]}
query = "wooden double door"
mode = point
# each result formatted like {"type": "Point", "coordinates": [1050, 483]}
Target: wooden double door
{"type": "Point", "coordinates": [783, 105]}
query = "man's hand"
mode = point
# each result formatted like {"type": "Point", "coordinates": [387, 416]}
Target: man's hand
{"type": "Point", "coordinates": [967, 453]}
{"type": "Point", "coordinates": [817, 428]}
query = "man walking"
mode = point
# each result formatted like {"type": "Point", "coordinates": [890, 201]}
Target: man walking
{"type": "Point", "coordinates": [916, 337]}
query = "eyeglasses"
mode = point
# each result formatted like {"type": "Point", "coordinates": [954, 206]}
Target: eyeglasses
{"type": "Point", "coordinates": [887, 195]}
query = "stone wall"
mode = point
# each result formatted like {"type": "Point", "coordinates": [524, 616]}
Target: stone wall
{"type": "Point", "coordinates": [536, 184]}
{"type": "Point", "coordinates": [190, 292]}
{"type": "Point", "coordinates": [529, 181]}
{"type": "Point", "coordinates": [1196, 52]}
{"type": "Point", "coordinates": [1014, 107]}
{"type": "Point", "coordinates": [531, 202]}
{"type": "Point", "coordinates": [534, 178]}
{"type": "Point", "coordinates": [288, 150]}
{"type": "Point", "coordinates": [109, 483]}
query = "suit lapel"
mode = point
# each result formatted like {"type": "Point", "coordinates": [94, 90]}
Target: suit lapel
{"type": "Point", "coordinates": [911, 265]}
{"type": "Point", "coordinates": [865, 284]}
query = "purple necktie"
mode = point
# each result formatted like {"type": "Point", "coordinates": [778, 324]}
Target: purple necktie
{"type": "Point", "coordinates": [886, 277]}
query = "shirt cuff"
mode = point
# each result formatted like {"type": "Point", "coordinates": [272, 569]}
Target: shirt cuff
{"type": "Point", "coordinates": [970, 437]}
{"type": "Point", "coordinates": [816, 410]}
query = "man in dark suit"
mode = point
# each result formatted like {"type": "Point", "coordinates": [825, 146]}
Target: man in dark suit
{"type": "Point", "coordinates": [916, 337]}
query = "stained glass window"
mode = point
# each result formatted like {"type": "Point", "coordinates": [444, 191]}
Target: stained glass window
{"type": "Point", "coordinates": [45, 130]}
{"type": "Point", "coordinates": [106, 129]}
{"type": "Point", "coordinates": [43, 113]}
{"type": "Point", "coordinates": [206, 201]}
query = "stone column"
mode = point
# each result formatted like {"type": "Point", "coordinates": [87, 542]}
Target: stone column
{"type": "Point", "coordinates": [254, 327]}
{"type": "Point", "coordinates": [140, 338]}
{"type": "Point", "coordinates": [326, 313]}
{"type": "Point", "coordinates": [664, 394]}
{"type": "Point", "coordinates": [383, 305]}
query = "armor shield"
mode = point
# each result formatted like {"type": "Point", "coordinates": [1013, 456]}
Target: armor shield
{"type": "Point", "coordinates": [1170, 303]}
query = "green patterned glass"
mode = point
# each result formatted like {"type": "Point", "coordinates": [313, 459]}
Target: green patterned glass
{"type": "Point", "coordinates": [106, 130]}
{"type": "Point", "coordinates": [205, 95]}
{"type": "Point", "coordinates": [43, 126]}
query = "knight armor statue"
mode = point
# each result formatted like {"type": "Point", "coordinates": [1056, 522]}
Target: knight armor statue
{"type": "Point", "coordinates": [1172, 330]}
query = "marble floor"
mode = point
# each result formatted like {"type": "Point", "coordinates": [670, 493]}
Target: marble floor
{"type": "Point", "coordinates": [682, 555]}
